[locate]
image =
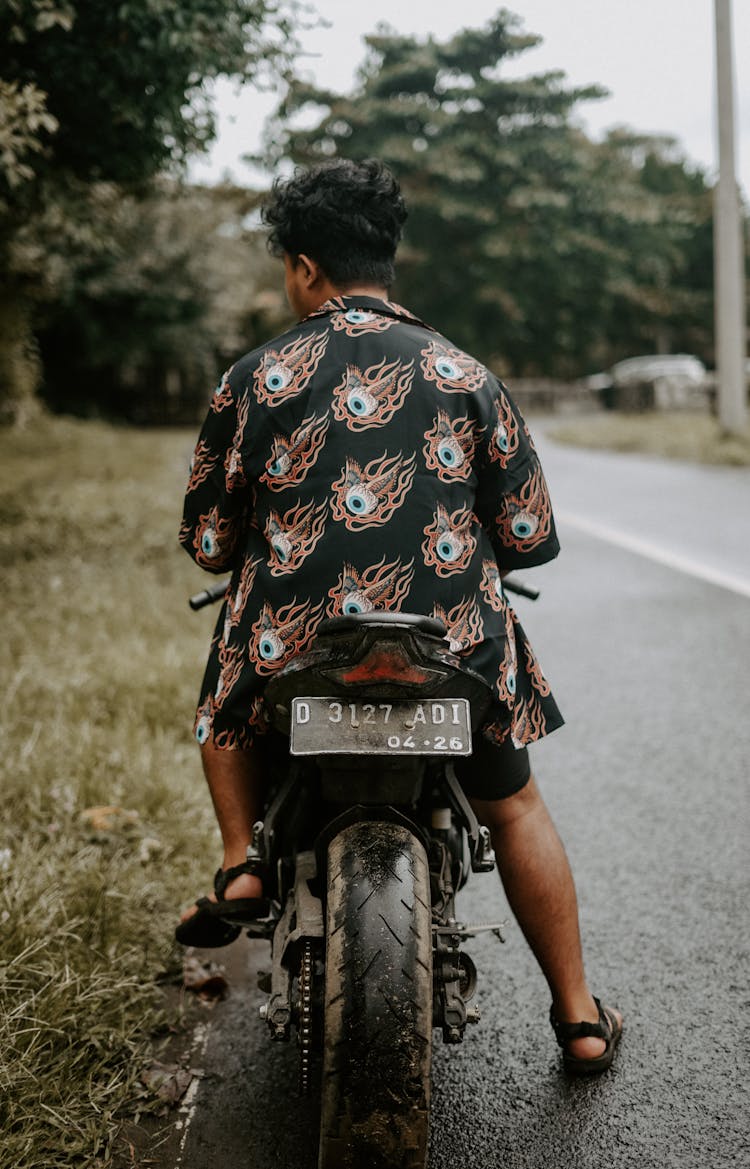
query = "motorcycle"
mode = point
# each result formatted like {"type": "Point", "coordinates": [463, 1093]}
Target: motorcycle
{"type": "Point", "coordinates": [365, 840]}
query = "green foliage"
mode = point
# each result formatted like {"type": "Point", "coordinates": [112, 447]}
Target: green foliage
{"type": "Point", "coordinates": [96, 100]}
{"type": "Point", "coordinates": [24, 119]}
{"type": "Point", "coordinates": [123, 84]}
{"type": "Point", "coordinates": [150, 314]}
{"type": "Point", "coordinates": [528, 243]}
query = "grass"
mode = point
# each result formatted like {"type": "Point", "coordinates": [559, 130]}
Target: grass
{"type": "Point", "coordinates": [100, 673]}
{"type": "Point", "coordinates": [690, 436]}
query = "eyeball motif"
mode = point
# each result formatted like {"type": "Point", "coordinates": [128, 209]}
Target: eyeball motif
{"type": "Point", "coordinates": [356, 316]}
{"type": "Point", "coordinates": [279, 466]}
{"type": "Point", "coordinates": [448, 369]}
{"type": "Point", "coordinates": [361, 403]}
{"type": "Point", "coordinates": [282, 548]}
{"type": "Point", "coordinates": [271, 647]}
{"type": "Point", "coordinates": [450, 453]}
{"type": "Point", "coordinates": [355, 603]}
{"type": "Point", "coordinates": [360, 501]}
{"type": "Point", "coordinates": [209, 545]}
{"type": "Point", "coordinates": [449, 548]}
{"type": "Point", "coordinates": [511, 681]}
{"type": "Point", "coordinates": [501, 435]}
{"type": "Point", "coordinates": [277, 378]}
{"type": "Point", "coordinates": [524, 525]}
{"type": "Point", "coordinates": [203, 729]}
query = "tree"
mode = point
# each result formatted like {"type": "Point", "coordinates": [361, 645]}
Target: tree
{"type": "Point", "coordinates": [529, 244]}
{"type": "Point", "coordinates": [95, 96]}
{"type": "Point", "coordinates": [143, 325]}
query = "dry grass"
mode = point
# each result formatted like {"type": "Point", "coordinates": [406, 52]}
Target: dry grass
{"type": "Point", "coordinates": [100, 672]}
{"type": "Point", "coordinates": [691, 436]}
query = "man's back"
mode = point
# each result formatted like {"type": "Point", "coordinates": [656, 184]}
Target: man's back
{"type": "Point", "coordinates": [362, 462]}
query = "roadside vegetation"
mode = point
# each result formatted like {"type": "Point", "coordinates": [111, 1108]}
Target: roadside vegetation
{"type": "Point", "coordinates": [127, 288]}
{"type": "Point", "coordinates": [106, 827]}
{"type": "Point", "coordinates": [692, 436]}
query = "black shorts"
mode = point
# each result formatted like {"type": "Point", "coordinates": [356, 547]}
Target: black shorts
{"type": "Point", "coordinates": [493, 772]}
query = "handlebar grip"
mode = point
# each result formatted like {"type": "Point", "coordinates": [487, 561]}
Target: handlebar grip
{"type": "Point", "coordinates": [209, 596]}
{"type": "Point", "coordinates": [521, 590]}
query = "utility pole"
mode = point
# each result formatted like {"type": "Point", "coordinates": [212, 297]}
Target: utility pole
{"type": "Point", "coordinates": [729, 250]}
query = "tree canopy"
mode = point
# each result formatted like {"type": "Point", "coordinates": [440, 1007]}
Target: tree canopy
{"type": "Point", "coordinates": [96, 99]}
{"type": "Point", "coordinates": [531, 245]}
{"type": "Point", "coordinates": [117, 91]}
{"type": "Point", "coordinates": [528, 243]}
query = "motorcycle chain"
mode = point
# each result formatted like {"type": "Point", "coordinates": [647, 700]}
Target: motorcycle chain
{"type": "Point", "coordinates": [305, 1027]}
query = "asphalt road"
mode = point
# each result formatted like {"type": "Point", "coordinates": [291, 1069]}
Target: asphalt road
{"type": "Point", "coordinates": [648, 785]}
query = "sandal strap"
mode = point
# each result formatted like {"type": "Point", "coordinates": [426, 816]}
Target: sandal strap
{"type": "Point", "coordinates": [224, 876]}
{"type": "Point", "coordinates": [564, 1032]}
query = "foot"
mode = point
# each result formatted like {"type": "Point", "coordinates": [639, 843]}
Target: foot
{"type": "Point", "coordinates": [584, 1053]}
{"type": "Point", "coordinates": [244, 885]}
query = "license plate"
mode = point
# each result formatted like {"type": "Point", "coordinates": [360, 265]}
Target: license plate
{"type": "Point", "coordinates": [327, 726]}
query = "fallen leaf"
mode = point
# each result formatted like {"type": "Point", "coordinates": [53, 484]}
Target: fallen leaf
{"type": "Point", "coordinates": [204, 979]}
{"type": "Point", "coordinates": [168, 1081]}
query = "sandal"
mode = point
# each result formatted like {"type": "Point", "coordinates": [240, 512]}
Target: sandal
{"type": "Point", "coordinates": [608, 1028]}
{"type": "Point", "coordinates": [217, 923]}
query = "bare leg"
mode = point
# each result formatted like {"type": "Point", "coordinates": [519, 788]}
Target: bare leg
{"type": "Point", "coordinates": [539, 886]}
{"type": "Point", "coordinates": [235, 782]}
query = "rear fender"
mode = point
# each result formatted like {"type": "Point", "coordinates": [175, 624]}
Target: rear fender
{"type": "Point", "coordinates": [364, 813]}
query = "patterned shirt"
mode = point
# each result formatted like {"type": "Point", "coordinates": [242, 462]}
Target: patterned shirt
{"type": "Point", "coordinates": [361, 461]}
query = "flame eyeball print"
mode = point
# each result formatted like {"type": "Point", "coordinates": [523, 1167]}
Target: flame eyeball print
{"type": "Point", "coordinates": [291, 458]}
{"type": "Point", "coordinates": [504, 441]}
{"type": "Point", "coordinates": [463, 623]}
{"type": "Point", "coordinates": [284, 373]}
{"type": "Point", "coordinates": [214, 540]}
{"type": "Point", "coordinates": [366, 399]}
{"type": "Point", "coordinates": [294, 535]}
{"type": "Point", "coordinates": [449, 543]}
{"type": "Point", "coordinates": [381, 586]}
{"type": "Point", "coordinates": [222, 395]}
{"type": "Point", "coordinates": [525, 519]}
{"type": "Point", "coordinates": [238, 597]}
{"type": "Point", "coordinates": [201, 465]}
{"type": "Point", "coordinates": [453, 371]}
{"type": "Point", "coordinates": [280, 634]}
{"type": "Point", "coordinates": [355, 322]}
{"type": "Point", "coordinates": [491, 586]}
{"type": "Point", "coordinates": [367, 497]}
{"type": "Point", "coordinates": [449, 448]}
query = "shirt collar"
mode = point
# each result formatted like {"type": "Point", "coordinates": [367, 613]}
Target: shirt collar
{"type": "Point", "coordinates": [373, 304]}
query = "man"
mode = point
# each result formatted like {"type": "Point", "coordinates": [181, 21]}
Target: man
{"type": "Point", "coordinates": [361, 461]}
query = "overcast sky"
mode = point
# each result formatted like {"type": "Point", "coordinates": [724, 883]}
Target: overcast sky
{"type": "Point", "coordinates": [656, 57]}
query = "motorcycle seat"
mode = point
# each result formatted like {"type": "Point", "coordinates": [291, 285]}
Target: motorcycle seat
{"type": "Point", "coordinates": [349, 622]}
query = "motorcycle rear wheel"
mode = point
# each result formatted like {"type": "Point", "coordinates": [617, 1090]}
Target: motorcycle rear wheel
{"type": "Point", "coordinates": [378, 1001]}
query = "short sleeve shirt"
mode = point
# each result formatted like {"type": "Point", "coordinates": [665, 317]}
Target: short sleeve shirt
{"type": "Point", "coordinates": [363, 462]}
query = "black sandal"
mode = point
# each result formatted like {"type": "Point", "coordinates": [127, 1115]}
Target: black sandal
{"type": "Point", "coordinates": [217, 923]}
{"type": "Point", "coordinates": [608, 1028]}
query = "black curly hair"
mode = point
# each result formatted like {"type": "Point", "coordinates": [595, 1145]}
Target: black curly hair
{"type": "Point", "coordinates": [345, 215]}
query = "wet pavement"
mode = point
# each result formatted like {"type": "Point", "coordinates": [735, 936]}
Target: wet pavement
{"type": "Point", "coordinates": [648, 786]}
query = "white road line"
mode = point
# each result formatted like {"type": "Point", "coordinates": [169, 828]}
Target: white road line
{"type": "Point", "coordinates": [674, 560]}
{"type": "Point", "coordinates": [190, 1099]}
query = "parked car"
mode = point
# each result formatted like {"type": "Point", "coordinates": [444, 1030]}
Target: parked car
{"type": "Point", "coordinates": [659, 381]}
